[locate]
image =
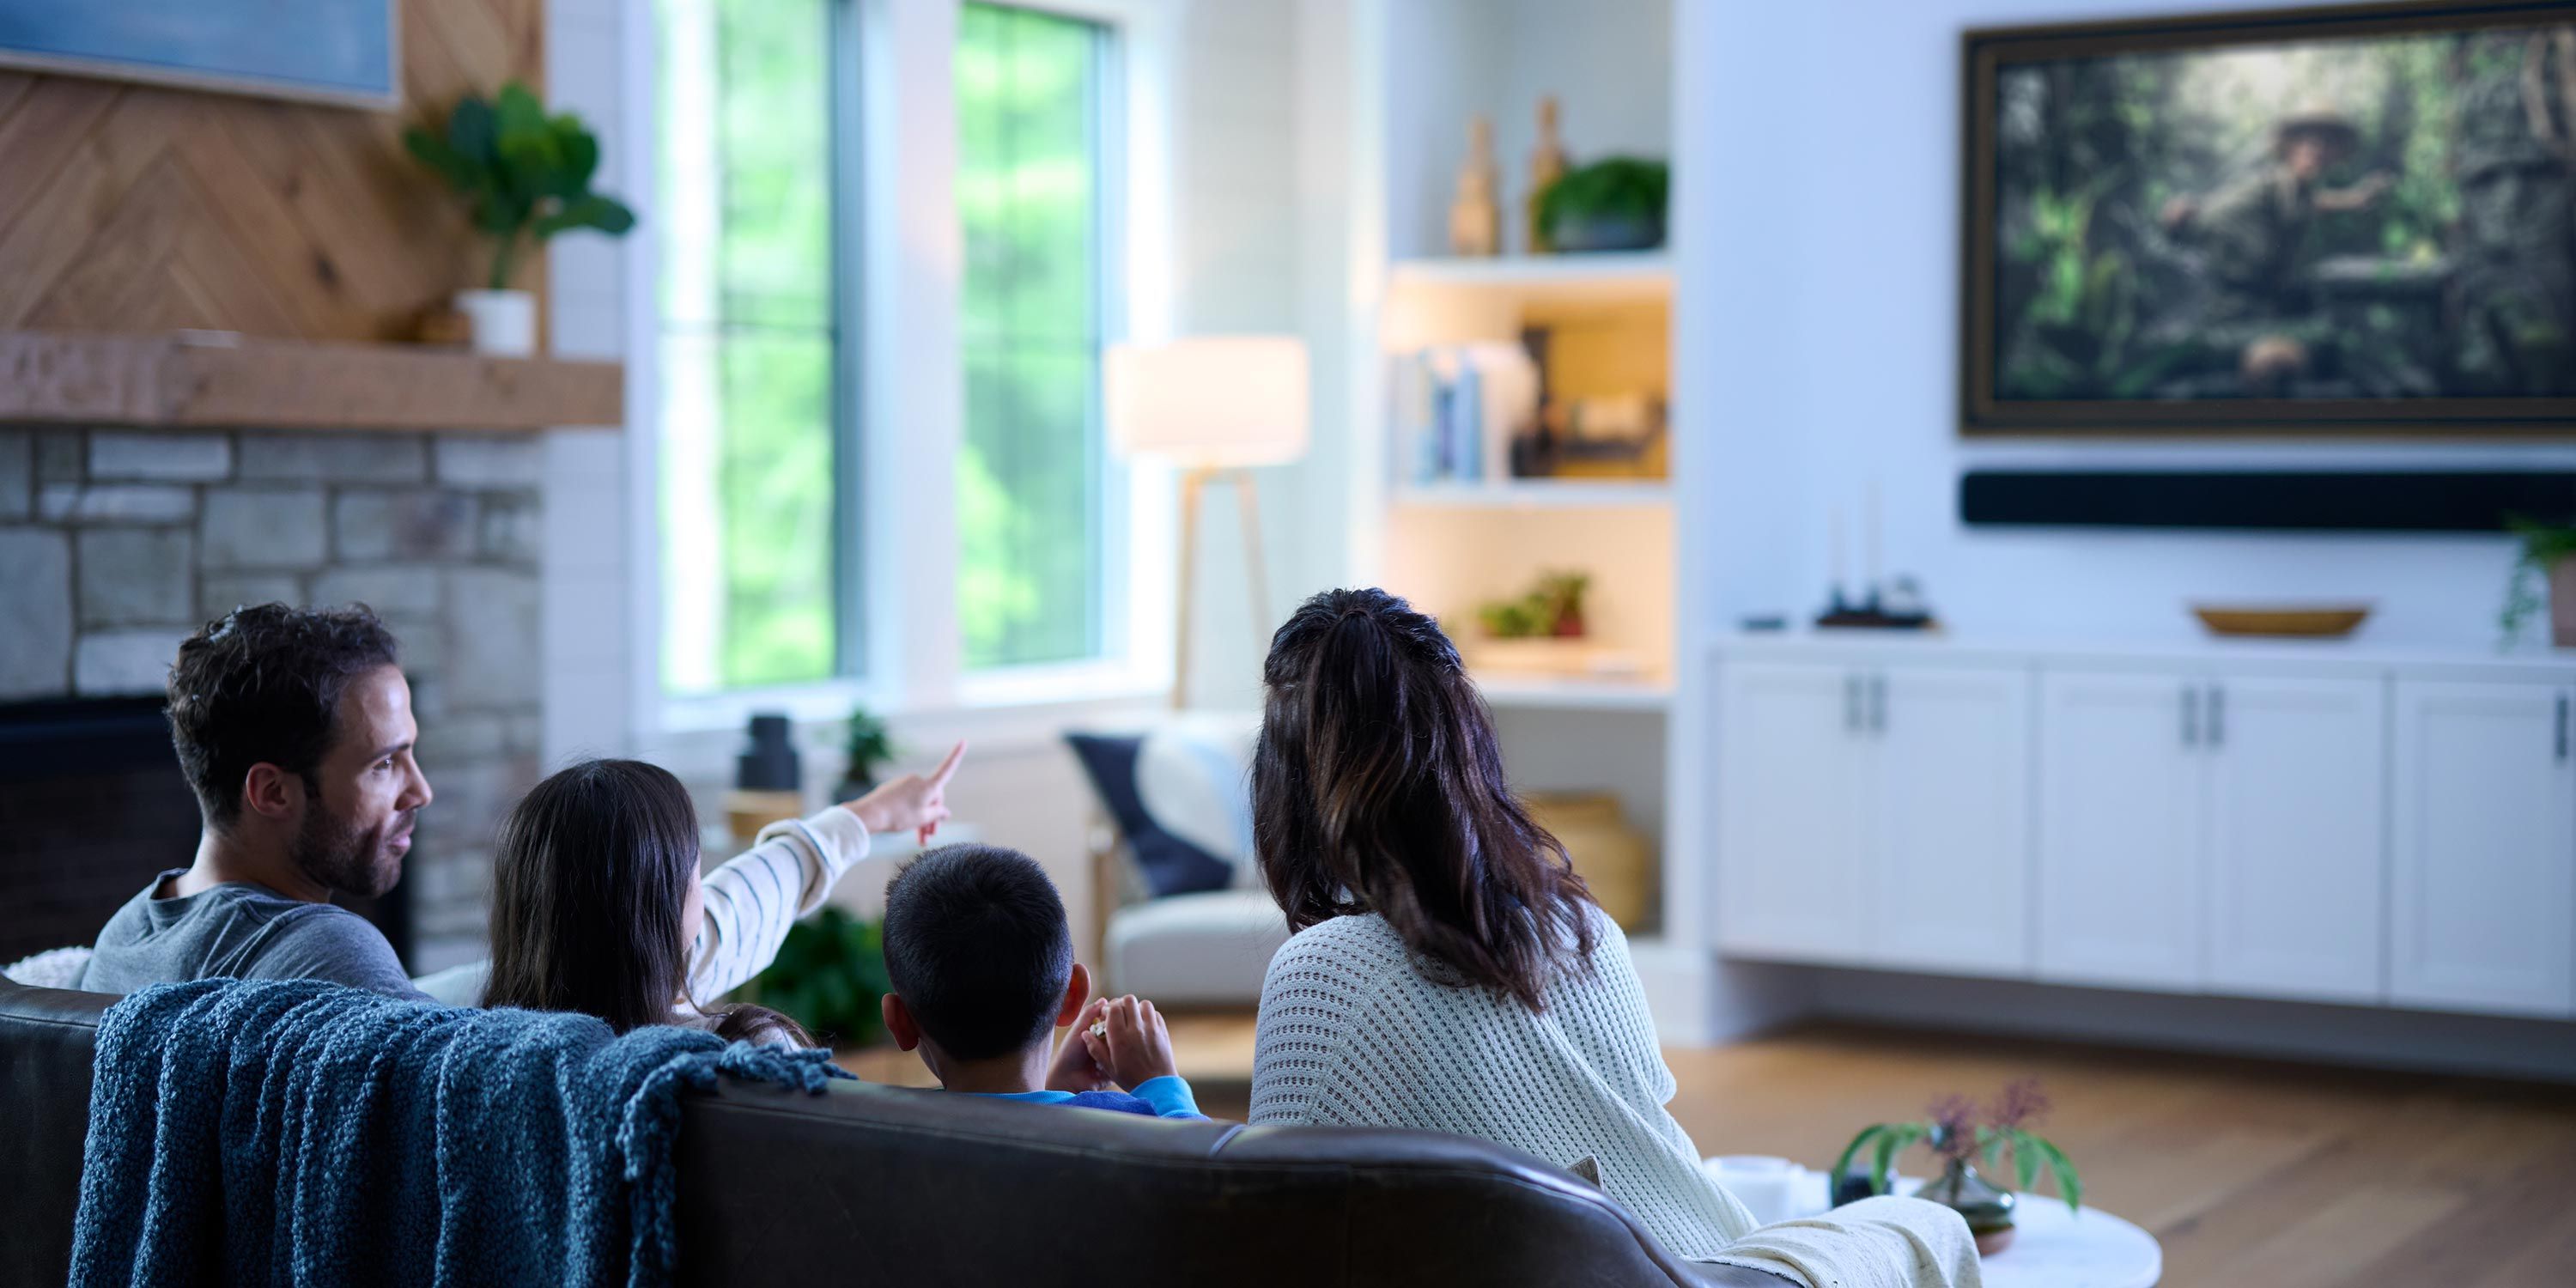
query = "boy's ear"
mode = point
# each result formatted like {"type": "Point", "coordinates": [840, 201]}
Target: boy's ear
{"type": "Point", "coordinates": [899, 1022]}
{"type": "Point", "coordinates": [1077, 990]}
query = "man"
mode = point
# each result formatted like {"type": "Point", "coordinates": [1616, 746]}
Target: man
{"type": "Point", "coordinates": [2254, 229]}
{"type": "Point", "coordinates": [294, 728]}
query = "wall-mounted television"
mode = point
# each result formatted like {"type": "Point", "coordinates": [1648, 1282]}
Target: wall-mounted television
{"type": "Point", "coordinates": [2345, 220]}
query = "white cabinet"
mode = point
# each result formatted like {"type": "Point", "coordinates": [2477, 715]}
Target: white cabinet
{"type": "Point", "coordinates": [1875, 815]}
{"type": "Point", "coordinates": [1789, 824]}
{"type": "Point", "coordinates": [2120, 829]}
{"type": "Point", "coordinates": [2289, 821]}
{"type": "Point", "coordinates": [2212, 832]}
{"type": "Point", "coordinates": [2297, 836]}
{"type": "Point", "coordinates": [1950, 819]}
{"type": "Point", "coordinates": [2484, 809]}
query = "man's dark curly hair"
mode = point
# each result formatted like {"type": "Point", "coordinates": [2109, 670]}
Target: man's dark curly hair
{"type": "Point", "coordinates": [262, 685]}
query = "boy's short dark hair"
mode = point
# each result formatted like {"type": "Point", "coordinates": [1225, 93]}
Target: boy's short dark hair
{"type": "Point", "coordinates": [978, 947]}
{"type": "Point", "coordinates": [263, 685]}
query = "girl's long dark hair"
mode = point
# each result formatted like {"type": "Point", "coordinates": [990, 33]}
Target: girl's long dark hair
{"type": "Point", "coordinates": [588, 890]}
{"type": "Point", "coordinates": [1377, 787]}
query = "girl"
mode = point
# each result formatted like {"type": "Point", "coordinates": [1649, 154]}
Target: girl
{"type": "Point", "coordinates": [597, 905]}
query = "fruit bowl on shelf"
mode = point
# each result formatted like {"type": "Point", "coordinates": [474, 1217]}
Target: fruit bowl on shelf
{"type": "Point", "coordinates": [2284, 620]}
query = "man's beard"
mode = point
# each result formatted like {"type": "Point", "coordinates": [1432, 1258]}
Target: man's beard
{"type": "Point", "coordinates": [344, 858]}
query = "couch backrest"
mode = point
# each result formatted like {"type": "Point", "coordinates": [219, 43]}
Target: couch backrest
{"type": "Point", "coordinates": [869, 1184]}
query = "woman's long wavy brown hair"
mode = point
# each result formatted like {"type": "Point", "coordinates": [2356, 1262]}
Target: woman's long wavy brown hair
{"type": "Point", "coordinates": [1377, 787]}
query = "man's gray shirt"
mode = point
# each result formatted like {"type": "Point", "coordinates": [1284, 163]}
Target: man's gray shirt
{"type": "Point", "coordinates": [239, 929]}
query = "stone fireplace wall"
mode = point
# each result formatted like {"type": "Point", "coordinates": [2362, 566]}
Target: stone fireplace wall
{"type": "Point", "coordinates": [116, 544]}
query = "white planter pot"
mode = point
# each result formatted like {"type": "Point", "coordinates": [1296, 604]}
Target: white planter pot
{"type": "Point", "coordinates": [505, 322]}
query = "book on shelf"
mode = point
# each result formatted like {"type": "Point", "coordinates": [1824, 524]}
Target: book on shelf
{"type": "Point", "coordinates": [1458, 409]}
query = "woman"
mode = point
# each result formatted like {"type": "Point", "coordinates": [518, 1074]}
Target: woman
{"type": "Point", "coordinates": [1448, 971]}
{"type": "Point", "coordinates": [597, 905]}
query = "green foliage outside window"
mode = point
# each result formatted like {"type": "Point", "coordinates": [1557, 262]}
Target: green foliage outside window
{"type": "Point", "coordinates": [1029, 472]}
{"type": "Point", "coordinates": [749, 332]}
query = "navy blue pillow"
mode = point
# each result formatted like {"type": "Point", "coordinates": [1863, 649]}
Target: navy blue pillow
{"type": "Point", "coordinates": [1171, 865]}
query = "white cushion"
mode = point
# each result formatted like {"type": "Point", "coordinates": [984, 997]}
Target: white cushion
{"type": "Point", "coordinates": [1204, 949]}
{"type": "Point", "coordinates": [1193, 774]}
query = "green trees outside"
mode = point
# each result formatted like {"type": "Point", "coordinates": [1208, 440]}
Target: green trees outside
{"type": "Point", "coordinates": [750, 343]}
{"type": "Point", "coordinates": [1029, 474]}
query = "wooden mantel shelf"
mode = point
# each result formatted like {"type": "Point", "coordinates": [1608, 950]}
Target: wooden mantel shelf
{"type": "Point", "coordinates": [184, 379]}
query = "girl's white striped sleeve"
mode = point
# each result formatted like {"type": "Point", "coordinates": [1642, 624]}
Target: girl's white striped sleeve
{"type": "Point", "coordinates": [753, 899]}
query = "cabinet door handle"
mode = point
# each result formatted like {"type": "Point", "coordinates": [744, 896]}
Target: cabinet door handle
{"type": "Point", "coordinates": [2190, 716]}
{"type": "Point", "coordinates": [2217, 716]}
{"type": "Point", "coordinates": [1878, 704]}
{"type": "Point", "coordinates": [1851, 702]}
{"type": "Point", "coordinates": [2562, 726]}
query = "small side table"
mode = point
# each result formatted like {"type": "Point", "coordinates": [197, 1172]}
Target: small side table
{"type": "Point", "coordinates": [2060, 1249]}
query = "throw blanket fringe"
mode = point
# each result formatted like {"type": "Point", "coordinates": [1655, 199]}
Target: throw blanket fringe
{"type": "Point", "coordinates": [300, 1132]}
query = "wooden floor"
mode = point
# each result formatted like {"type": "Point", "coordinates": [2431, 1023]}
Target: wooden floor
{"type": "Point", "coordinates": [2250, 1173]}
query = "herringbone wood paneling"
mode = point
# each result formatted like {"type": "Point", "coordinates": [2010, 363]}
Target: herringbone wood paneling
{"type": "Point", "coordinates": [137, 208]}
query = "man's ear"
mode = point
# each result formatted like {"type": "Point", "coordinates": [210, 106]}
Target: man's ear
{"type": "Point", "coordinates": [272, 793]}
{"type": "Point", "coordinates": [899, 1022]}
{"type": "Point", "coordinates": [1077, 990]}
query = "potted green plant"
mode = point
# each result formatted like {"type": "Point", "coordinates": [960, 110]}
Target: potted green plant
{"type": "Point", "coordinates": [2544, 578]}
{"type": "Point", "coordinates": [527, 175]}
{"type": "Point", "coordinates": [869, 747]}
{"type": "Point", "coordinates": [1962, 1136]}
{"type": "Point", "coordinates": [829, 976]}
{"type": "Point", "coordinates": [1613, 204]}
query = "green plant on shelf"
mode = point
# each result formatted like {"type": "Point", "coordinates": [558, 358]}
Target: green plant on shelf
{"type": "Point", "coordinates": [1552, 607]}
{"type": "Point", "coordinates": [526, 173]}
{"type": "Point", "coordinates": [829, 975]}
{"type": "Point", "coordinates": [1624, 193]}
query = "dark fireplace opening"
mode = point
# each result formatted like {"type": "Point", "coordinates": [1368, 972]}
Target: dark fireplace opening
{"type": "Point", "coordinates": [92, 805]}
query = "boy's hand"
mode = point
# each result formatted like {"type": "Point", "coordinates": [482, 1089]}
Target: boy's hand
{"type": "Point", "coordinates": [1073, 1068]}
{"type": "Point", "coordinates": [911, 803]}
{"type": "Point", "coordinates": [1136, 1048]}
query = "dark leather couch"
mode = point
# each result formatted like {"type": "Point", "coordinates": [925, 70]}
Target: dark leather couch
{"type": "Point", "coordinates": [870, 1184]}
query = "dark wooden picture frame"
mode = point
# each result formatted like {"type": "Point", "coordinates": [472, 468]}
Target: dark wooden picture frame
{"type": "Point", "coordinates": [1983, 413]}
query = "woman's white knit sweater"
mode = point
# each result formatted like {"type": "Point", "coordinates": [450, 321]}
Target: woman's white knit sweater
{"type": "Point", "coordinates": [1352, 1033]}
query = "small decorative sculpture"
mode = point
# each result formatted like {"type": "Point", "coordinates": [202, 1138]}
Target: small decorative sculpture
{"type": "Point", "coordinates": [1476, 218]}
{"type": "Point", "coordinates": [1547, 165]}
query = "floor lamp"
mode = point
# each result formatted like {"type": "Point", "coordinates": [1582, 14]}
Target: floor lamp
{"type": "Point", "coordinates": [1215, 406]}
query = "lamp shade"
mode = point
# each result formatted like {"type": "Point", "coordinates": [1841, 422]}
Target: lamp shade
{"type": "Point", "coordinates": [1212, 401]}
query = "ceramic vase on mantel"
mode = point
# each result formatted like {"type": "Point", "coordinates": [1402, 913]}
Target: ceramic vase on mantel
{"type": "Point", "coordinates": [1987, 1208]}
{"type": "Point", "coordinates": [504, 322]}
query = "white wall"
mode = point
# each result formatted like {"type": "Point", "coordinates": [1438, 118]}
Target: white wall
{"type": "Point", "coordinates": [1817, 212]}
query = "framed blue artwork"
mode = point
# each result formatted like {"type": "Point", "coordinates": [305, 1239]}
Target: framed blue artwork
{"type": "Point", "coordinates": [330, 51]}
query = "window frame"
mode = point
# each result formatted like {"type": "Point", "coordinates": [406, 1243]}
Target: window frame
{"type": "Point", "coordinates": [895, 554]}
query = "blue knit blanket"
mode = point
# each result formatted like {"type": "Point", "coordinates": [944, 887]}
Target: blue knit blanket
{"type": "Point", "coordinates": [299, 1132]}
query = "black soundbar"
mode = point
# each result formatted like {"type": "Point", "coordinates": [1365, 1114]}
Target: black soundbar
{"type": "Point", "coordinates": [2301, 500]}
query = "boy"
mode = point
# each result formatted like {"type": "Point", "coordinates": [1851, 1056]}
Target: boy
{"type": "Point", "coordinates": [981, 959]}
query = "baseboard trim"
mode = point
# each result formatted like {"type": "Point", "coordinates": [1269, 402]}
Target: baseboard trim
{"type": "Point", "coordinates": [2373, 1037]}
{"type": "Point", "coordinates": [1698, 1000]}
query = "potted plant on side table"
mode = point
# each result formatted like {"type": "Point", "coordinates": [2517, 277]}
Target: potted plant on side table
{"type": "Point", "coordinates": [1963, 1137]}
{"type": "Point", "coordinates": [527, 174]}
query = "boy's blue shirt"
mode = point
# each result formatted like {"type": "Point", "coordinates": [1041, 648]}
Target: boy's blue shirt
{"type": "Point", "coordinates": [1164, 1097]}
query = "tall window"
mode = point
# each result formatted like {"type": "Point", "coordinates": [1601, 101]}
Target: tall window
{"type": "Point", "coordinates": [750, 344]}
{"type": "Point", "coordinates": [1030, 189]}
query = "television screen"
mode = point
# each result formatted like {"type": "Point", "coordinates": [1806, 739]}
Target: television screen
{"type": "Point", "coordinates": [2358, 218]}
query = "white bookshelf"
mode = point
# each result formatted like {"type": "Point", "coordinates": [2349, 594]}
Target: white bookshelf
{"type": "Point", "coordinates": [1537, 494]}
{"type": "Point", "coordinates": [1602, 274]}
{"type": "Point", "coordinates": [1572, 693]}
{"type": "Point", "coordinates": [1451, 546]}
